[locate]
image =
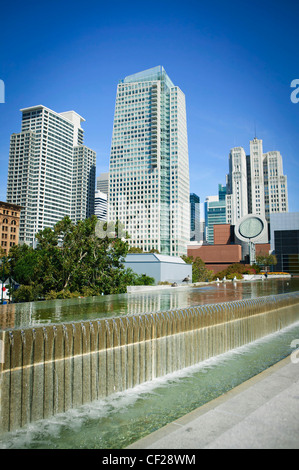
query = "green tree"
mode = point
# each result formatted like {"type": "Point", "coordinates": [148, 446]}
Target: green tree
{"type": "Point", "coordinates": [22, 264]}
{"type": "Point", "coordinates": [4, 265]}
{"type": "Point", "coordinates": [88, 260]}
{"type": "Point", "coordinates": [135, 249]}
{"type": "Point", "coordinates": [200, 273]}
{"type": "Point", "coordinates": [266, 260]}
{"type": "Point", "coordinates": [73, 258]}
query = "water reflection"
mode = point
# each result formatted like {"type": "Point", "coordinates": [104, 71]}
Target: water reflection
{"type": "Point", "coordinates": [69, 310]}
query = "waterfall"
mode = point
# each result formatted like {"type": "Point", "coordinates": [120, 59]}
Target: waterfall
{"type": "Point", "coordinates": [50, 369]}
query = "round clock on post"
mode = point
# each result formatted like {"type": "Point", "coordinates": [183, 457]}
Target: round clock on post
{"type": "Point", "coordinates": [249, 229]}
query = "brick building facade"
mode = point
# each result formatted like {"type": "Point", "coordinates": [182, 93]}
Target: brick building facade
{"type": "Point", "coordinates": [9, 225]}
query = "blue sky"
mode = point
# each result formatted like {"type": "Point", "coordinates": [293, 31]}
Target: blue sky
{"type": "Point", "coordinates": [234, 60]}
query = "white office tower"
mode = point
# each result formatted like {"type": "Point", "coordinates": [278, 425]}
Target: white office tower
{"type": "Point", "coordinates": [276, 190]}
{"type": "Point", "coordinates": [236, 187]}
{"type": "Point", "coordinates": [51, 173]}
{"type": "Point", "coordinates": [256, 185]}
{"type": "Point", "coordinates": [103, 183]}
{"type": "Point", "coordinates": [149, 164]}
{"type": "Point", "coordinates": [268, 191]}
{"type": "Point", "coordinates": [275, 182]}
{"type": "Point", "coordinates": [101, 205]}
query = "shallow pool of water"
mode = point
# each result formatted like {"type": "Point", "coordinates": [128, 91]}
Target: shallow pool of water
{"type": "Point", "coordinates": [32, 314]}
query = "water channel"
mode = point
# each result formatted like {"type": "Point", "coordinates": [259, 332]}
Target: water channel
{"type": "Point", "coordinates": [116, 421]}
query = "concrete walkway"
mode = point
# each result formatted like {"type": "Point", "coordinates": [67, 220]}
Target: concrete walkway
{"type": "Point", "coordinates": [262, 413]}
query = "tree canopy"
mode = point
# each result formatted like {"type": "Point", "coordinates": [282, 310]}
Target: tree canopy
{"type": "Point", "coordinates": [266, 260]}
{"type": "Point", "coordinates": [74, 259]}
{"type": "Point", "coordinates": [200, 273]}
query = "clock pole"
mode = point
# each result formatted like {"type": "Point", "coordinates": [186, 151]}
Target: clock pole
{"type": "Point", "coordinates": [251, 252]}
{"type": "Point", "coordinates": [249, 229]}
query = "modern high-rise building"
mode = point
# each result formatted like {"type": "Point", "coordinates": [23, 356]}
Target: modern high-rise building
{"type": "Point", "coordinates": [275, 185]}
{"type": "Point", "coordinates": [103, 183]}
{"type": "Point", "coordinates": [256, 190]}
{"type": "Point", "coordinates": [51, 173]}
{"type": "Point", "coordinates": [255, 183]}
{"type": "Point", "coordinates": [215, 213]}
{"type": "Point", "coordinates": [83, 185]}
{"type": "Point", "coordinates": [236, 199]}
{"type": "Point", "coordinates": [100, 205]}
{"type": "Point", "coordinates": [149, 164]}
{"type": "Point", "coordinates": [194, 217]}
{"type": "Point", "coordinates": [284, 240]}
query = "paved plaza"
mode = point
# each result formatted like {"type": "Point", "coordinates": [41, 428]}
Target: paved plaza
{"type": "Point", "coordinates": [261, 413]}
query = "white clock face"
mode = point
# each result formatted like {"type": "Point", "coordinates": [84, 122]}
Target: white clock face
{"type": "Point", "coordinates": [251, 228]}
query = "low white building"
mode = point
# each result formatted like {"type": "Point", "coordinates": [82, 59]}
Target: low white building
{"type": "Point", "coordinates": [162, 268]}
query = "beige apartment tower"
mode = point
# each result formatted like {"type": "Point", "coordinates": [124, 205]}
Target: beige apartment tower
{"type": "Point", "coordinates": [51, 174]}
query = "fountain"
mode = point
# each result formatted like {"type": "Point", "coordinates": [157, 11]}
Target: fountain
{"type": "Point", "coordinates": [50, 369]}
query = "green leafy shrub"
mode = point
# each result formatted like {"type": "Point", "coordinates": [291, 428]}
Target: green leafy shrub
{"type": "Point", "coordinates": [63, 294]}
{"type": "Point", "coordinates": [27, 293]}
{"type": "Point", "coordinates": [234, 275]}
{"type": "Point", "coordinates": [257, 268]}
{"type": "Point", "coordinates": [89, 291]}
{"type": "Point", "coordinates": [66, 294]}
{"type": "Point", "coordinates": [234, 269]}
{"type": "Point", "coordinates": [51, 295]}
{"type": "Point", "coordinates": [144, 280]}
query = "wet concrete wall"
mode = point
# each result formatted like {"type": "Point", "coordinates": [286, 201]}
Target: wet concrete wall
{"type": "Point", "coordinates": [49, 370]}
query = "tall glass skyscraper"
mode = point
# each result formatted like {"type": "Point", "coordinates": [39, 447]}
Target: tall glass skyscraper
{"type": "Point", "coordinates": [194, 217]}
{"type": "Point", "coordinates": [149, 163]}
